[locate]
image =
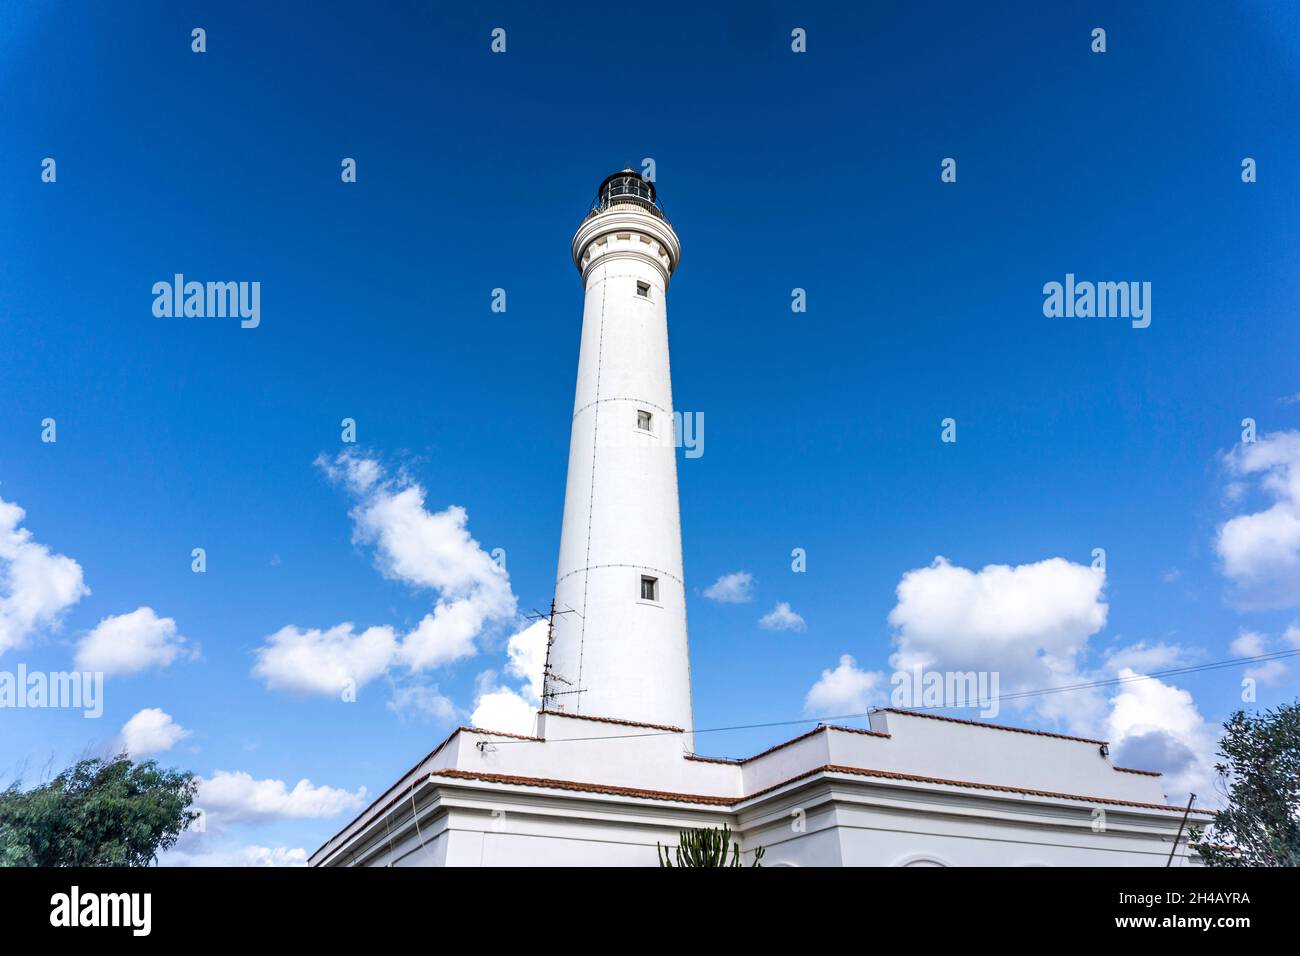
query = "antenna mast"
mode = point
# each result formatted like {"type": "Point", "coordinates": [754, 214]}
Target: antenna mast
{"type": "Point", "coordinates": [550, 677]}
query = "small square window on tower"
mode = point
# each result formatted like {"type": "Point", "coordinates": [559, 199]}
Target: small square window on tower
{"type": "Point", "coordinates": [644, 419]}
{"type": "Point", "coordinates": [643, 289]}
{"type": "Point", "coordinates": [649, 588]}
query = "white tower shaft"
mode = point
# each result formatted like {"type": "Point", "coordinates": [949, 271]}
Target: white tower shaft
{"type": "Point", "coordinates": [619, 646]}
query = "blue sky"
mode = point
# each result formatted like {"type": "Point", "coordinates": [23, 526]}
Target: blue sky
{"type": "Point", "coordinates": [779, 170]}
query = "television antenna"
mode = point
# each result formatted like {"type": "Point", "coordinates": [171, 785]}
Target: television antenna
{"type": "Point", "coordinates": [552, 680]}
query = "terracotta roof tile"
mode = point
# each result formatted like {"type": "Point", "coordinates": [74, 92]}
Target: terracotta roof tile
{"type": "Point", "coordinates": [858, 730]}
{"type": "Point", "coordinates": [613, 720]}
{"type": "Point", "coordinates": [500, 733]}
{"type": "Point", "coordinates": [891, 775]}
{"type": "Point", "coordinates": [586, 787]}
{"type": "Point", "coordinates": [1145, 773]}
{"type": "Point", "coordinates": [980, 723]}
{"type": "Point", "coordinates": [820, 728]}
{"type": "Point", "coordinates": [793, 740]}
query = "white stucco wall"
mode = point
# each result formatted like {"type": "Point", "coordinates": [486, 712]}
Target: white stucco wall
{"type": "Point", "coordinates": [927, 746]}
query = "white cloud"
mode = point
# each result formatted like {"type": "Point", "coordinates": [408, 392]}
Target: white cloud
{"type": "Point", "coordinates": [500, 708]}
{"type": "Point", "coordinates": [1269, 673]}
{"type": "Point", "coordinates": [426, 550]}
{"type": "Point", "coordinates": [128, 643]}
{"type": "Point", "coordinates": [1260, 551]}
{"type": "Point", "coordinates": [355, 473]}
{"type": "Point", "coordinates": [1292, 635]}
{"type": "Point", "coordinates": [423, 549]}
{"type": "Point", "coordinates": [1155, 726]}
{"type": "Point", "coordinates": [781, 618]}
{"type": "Point", "coordinates": [527, 657]}
{"type": "Point", "coordinates": [36, 587]}
{"type": "Point", "coordinates": [504, 709]}
{"type": "Point", "coordinates": [1029, 622]}
{"type": "Point", "coordinates": [424, 701]}
{"type": "Point", "coordinates": [1247, 644]}
{"type": "Point", "coordinates": [1146, 657]}
{"type": "Point", "coordinates": [844, 690]}
{"type": "Point", "coordinates": [1254, 644]}
{"type": "Point", "coordinates": [252, 855]}
{"type": "Point", "coordinates": [734, 588]}
{"type": "Point", "coordinates": [444, 636]}
{"type": "Point", "coordinates": [270, 856]}
{"type": "Point", "coordinates": [151, 731]}
{"type": "Point", "coordinates": [1031, 625]}
{"type": "Point", "coordinates": [233, 796]}
{"type": "Point", "coordinates": [324, 662]}
{"type": "Point", "coordinates": [1233, 492]}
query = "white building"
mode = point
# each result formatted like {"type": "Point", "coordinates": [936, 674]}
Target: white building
{"type": "Point", "coordinates": [612, 769]}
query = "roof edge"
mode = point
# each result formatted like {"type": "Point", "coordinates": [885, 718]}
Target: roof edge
{"type": "Point", "coordinates": [418, 764]}
{"type": "Point", "coordinates": [711, 800]}
{"type": "Point", "coordinates": [988, 726]}
{"type": "Point", "coordinates": [614, 720]}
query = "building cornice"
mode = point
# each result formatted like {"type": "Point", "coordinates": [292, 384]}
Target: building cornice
{"type": "Point", "coordinates": [649, 239]}
{"type": "Point", "coordinates": [613, 720]}
{"type": "Point", "coordinates": [826, 769]}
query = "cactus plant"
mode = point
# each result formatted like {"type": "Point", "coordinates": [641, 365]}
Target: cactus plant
{"type": "Point", "coordinates": [705, 847]}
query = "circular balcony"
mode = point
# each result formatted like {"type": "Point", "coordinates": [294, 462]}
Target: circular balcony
{"type": "Point", "coordinates": [626, 188]}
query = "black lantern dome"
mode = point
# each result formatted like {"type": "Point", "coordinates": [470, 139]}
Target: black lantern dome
{"type": "Point", "coordinates": [627, 187]}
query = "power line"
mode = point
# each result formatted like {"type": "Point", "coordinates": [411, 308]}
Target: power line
{"type": "Point", "coordinates": [1063, 688]}
{"type": "Point", "coordinates": [1191, 669]}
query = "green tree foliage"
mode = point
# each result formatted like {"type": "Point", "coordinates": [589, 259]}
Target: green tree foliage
{"type": "Point", "coordinates": [97, 813]}
{"type": "Point", "coordinates": [1261, 824]}
{"type": "Point", "coordinates": [705, 847]}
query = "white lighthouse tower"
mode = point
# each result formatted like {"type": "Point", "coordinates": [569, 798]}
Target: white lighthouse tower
{"type": "Point", "coordinates": [618, 647]}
